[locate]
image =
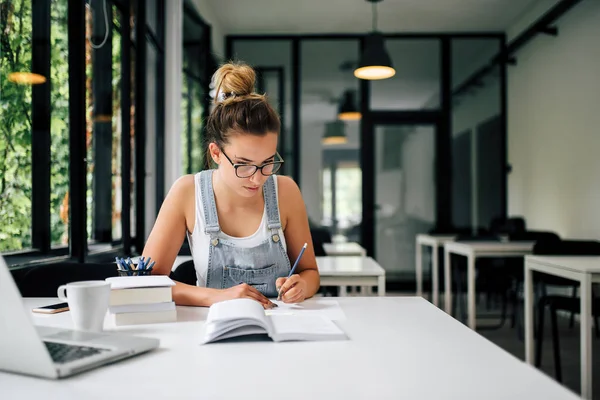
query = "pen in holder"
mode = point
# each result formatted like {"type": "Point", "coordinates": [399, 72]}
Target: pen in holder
{"type": "Point", "coordinates": [126, 267]}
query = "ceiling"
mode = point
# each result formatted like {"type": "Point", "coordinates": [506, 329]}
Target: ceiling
{"type": "Point", "coordinates": [354, 16]}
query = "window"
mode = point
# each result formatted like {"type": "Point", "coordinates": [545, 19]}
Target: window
{"type": "Point", "coordinates": [16, 126]}
{"type": "Point", "coordinates": [59, 125]}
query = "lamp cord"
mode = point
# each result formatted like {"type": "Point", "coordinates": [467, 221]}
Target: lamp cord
{"type": "Point", "coordinates": [374, 16]}
{"type": "Point", "coordinates": [98, 46]}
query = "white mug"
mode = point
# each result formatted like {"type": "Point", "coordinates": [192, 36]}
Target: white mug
{"type": "Point", "coordinates": [88, 303]}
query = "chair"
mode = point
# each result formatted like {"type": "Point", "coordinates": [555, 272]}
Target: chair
{"type": "Point", "coordinates": [320, 235]}
{"type": "Point", "coordinates": [44, 280]}
{"type": "Point", "coordinates": [460, 269]}
{"type": "Point", "coordinates": [512, 225]}
{"type": "Point", "coordinates": [514, 269]}
{"type": "Point", "coordinates": [560, 302]}
{"type": "Point", "coordinates": [185, 273]}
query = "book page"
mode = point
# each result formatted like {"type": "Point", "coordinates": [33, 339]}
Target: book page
{"type": "Point", "coordinates": [316, 307]}
{"type": "Point", "coordinates": [304, 327]}
{"type": "Point", "coordinates": [235, 317]}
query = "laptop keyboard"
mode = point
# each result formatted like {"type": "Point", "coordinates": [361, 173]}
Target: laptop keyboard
{"type": "Point", "coordinates": [62, 353]}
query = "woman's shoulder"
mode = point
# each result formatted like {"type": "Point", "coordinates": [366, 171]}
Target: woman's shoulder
{"type": "Point", "coordinates": [287, 187]}
{"type": "Point", "coordinates": [289, 197]}
{"type": "Point", "coordinates": [183, 187]}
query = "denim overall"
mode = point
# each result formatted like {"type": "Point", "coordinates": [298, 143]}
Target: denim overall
{"type": "Point", "coordinates": [230, 265]}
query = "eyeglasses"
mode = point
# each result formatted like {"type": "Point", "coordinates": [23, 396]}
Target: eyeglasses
{"type": "Point", "coordinates": [247, 170]}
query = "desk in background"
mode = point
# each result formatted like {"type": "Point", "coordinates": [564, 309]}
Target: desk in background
{"type": "Point", "coordinates": [586, 271]}
{"type": "Point", "coordinates": [346, 271]}
{"type": "Point", "coordinates": [344, 249]}
{"type": "Point", "coordinates": [435, 242]}
{"type": "Point", "coordinates": [474, 250]}
{"type": "Point", "coordinates": [399, 347]}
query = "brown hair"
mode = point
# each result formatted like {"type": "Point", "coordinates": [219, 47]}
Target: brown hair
{"type": "Point", "coordinates": [238, 109]}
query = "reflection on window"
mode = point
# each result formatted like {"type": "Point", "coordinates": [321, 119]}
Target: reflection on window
{"type": "Point", "coordinates": [342, 212]}
{"type": "Point", "coordinates": [117, 128]}
{"type": "Point", "coordinates": [348, 198]}
{"type": "Point", "coordinates": [15, 129]}
{"type": "Point", "coordinates": [59, 124]}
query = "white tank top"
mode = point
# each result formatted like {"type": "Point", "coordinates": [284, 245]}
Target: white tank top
{"type": "Point", "coordinates": [199, 241]}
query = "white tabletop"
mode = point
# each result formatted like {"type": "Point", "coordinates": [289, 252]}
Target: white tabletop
{"type": "Point", "coordinates": [433, 240]}
{"type": "Point", "coordinates": [584, 264]}
{"type": "Point", "coordinates": [348, 265]}
{"type": "Point", "coordinates": [495, 246]}
{"type": "Point", "coordinates": [399, 347]}
{"type": "Point", "coordinates": [344, 248]}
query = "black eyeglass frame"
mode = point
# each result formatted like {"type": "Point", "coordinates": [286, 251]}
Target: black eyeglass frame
{"type": "Point", "coordinates": [276, 166]}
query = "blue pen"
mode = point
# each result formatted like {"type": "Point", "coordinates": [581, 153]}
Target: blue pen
{"type": "Point", "coordinates": [140, 265]}
{"type": "Point", "coordinates": [147, 263]}
{"type": "Point", "coordinates": [150, 266]}
{"type": "Point", "coordinates": [294, 267]}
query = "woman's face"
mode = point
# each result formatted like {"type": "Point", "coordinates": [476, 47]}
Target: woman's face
{"type": "Point", "coordinates": [248, 150]}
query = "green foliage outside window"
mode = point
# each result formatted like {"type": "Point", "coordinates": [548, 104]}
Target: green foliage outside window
{"type": "Point", "coordinates": [15, 129]}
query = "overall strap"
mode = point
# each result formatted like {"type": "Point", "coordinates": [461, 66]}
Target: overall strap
{"type": "Point", "coordinates": [270, 195]}
{"type": "Point", "coordinates": [211, 218]}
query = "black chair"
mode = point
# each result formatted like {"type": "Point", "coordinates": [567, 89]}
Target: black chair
{"type": "Point", "coordinates": [513, 268]}
{"type": "Point", "coordinates": [459, 270]}
{"type": "Point", "coordinates": [44, 280]}
{"type": "Point", "coordinates": [320, 235]}
{"type": "Point", "coordinates": [559, 302]}
{"type": "Point", "coordinates": [185, 273]}
{"type": "Point", "coordinates": [511, 225]}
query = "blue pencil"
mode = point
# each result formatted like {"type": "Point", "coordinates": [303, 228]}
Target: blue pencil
{"type": "Point", "coordinates": [294, 267]}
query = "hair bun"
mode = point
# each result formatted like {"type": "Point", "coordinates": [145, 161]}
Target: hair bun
{"type": "Point", "coordinates": [232, 80]}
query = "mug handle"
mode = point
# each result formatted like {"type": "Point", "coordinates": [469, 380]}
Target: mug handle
{"type": "Point", "coordinates": [62, 292]}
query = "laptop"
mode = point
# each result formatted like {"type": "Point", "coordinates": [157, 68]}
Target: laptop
{"type": "Point", "coordinates": [54, 352]}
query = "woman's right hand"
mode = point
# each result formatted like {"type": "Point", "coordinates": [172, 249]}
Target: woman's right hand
{"type": "Point", "coordinates": [242, 291]}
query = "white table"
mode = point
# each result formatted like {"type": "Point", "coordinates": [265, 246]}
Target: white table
{"type": "Point", "coordinates": [345, 271]}
{"type": "Point", "coordinates": [586, 271]}
{"type": "Point", "coordinates": [474, 250]}
{"type": "Point", "coordinates": [433, 241]}
{"type": "Point", "coordinates": [399, 347]}
{"type": "Point", "coordinates": [344, 249]}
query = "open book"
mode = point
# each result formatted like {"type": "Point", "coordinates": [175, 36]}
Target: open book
{"type": "Point", "coordinates": [239, 317]}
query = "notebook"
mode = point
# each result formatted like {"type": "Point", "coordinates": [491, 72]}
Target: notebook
{"type": "Point", "coordinates": [146, 289]}
{"type": "Point", "coordinates": [241, 317]}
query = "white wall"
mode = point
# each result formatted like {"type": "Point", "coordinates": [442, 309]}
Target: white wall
{"type": "Point", "coordinates": [173, 87]}
{"type": "Point", "coordinates": [218, 34]}
{"type": "Point", "coordinates": [553, 123]}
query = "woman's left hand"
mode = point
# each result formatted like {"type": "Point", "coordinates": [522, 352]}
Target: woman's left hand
{"type": "Point", "coordinates": [292, 289]}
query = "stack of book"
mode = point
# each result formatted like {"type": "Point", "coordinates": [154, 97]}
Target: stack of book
{"type": "Point", "coordinates": [141, 300]}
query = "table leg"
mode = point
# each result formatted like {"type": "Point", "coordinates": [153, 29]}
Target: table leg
{"type": "Point", "coordinates": [435, 277]}
{"type": "Point", "coordinates": [471, 290]}
{"type": "Point", "coordinates": [528, 289]}
{"type": "Point", "coordinates": [447, 283]}
{"type": "Point", "coordinates": [381, 286]}
{"type": "Point", "coordinates": [419, 269]}
{"type": "Point", "coordinates": [342, 291]}
{"type": "Point", "coordinates": [586, 336]}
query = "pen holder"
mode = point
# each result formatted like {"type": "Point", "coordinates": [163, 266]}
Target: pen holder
{"type": "Point", "coordinates": [134, 272]}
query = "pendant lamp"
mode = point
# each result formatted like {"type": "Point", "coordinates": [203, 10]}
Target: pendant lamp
{"type": "Point", "coordinates": [347, 110]}
{"type": "Point", "coordinates": [375, 63]}
{"type": "Point", "coordinates": [26, 78]}
{"type": "Point", "coordinates": [335, 133]}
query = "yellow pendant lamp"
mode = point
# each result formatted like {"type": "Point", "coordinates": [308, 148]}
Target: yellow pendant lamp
{"type": "Point", "coordinates": [375, 63]}
{"type": "Point", "coordinates": [348, 110]}
{"type": "Point", "coordinates": [335, 133]}
{"type": "Point", "coordinates": [26, 78]}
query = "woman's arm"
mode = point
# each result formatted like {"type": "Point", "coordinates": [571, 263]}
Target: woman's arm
{"type": "Point", "coordinates": [166, 238]}
{"type": "Point", "coordinates": [305, 282]}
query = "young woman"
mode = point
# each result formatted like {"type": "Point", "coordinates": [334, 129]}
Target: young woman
{"type": "Point", "coordinates": [244, 223]}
